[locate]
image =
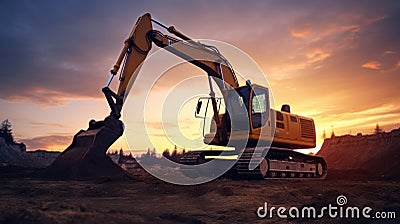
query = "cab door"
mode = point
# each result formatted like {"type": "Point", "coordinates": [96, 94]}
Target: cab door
{"type": "Point", "coordinates": [259, 114]}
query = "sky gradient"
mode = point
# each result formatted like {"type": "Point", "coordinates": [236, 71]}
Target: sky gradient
{"type": "Point", "coordinates": [335, 61]}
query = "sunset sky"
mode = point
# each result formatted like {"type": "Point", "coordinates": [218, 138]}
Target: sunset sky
{"type": "Point", "coordinates": [335, 61]}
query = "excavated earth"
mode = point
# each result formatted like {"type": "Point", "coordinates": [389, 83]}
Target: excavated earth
{"type": "Point", "coordinates": [376, 155]}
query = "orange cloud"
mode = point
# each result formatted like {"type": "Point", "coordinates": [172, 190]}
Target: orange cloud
{"type": "Point", "coordinates": [351, 26]}
{"type": "Point", "coordinates": [300, 32]}
{"type": "Point", "coordinates": [51, 142]}
{"type": "Point", "coordinates": [317, 55]}
{"type": "Point", "coordinates": [358, 121]}
{"type": "Point", "coordinates": [46, 97]}
{"type": "Point", "coordinates": [372, 65]}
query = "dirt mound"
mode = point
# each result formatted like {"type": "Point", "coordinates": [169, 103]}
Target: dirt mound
{"type": "Point", "coordinates": [374, 155]}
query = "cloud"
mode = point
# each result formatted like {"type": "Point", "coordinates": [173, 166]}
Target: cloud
{"type": "Point", "coordinates": [49, 142]}
{"type": "Point", "coordinates": [46, 97]}
{"type": "Point", "coordinates": [53, 53]}
{"type": "Point", "coordinates": [301, 32]}
{"type": "Point", "coordinates": [384, 114]}
{"type": "Point", "coordinates": [388, 52]}
{"type": "Point", "coordinates": [312, 41]}
{"type": "Point", "coordinates": [372, 65]}
{"type": "Point", "coordinates": [48, 124]}
{"type": "Point", "coordinates": [317, 55]}
{"type": "Point", "coordinates": [318, 35]}
{"type": "Point", "coordinates": [72, 66]}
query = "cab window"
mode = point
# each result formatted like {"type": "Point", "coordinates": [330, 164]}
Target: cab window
{"type": "Point", "coordinates": [259, 107]}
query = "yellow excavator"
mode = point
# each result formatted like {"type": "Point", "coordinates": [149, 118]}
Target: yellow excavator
{"type": "Point", "coordinates": [247, 117]}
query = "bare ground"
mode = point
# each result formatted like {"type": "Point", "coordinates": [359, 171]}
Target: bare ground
{"type": "Point", "coordinates": [26, 198]}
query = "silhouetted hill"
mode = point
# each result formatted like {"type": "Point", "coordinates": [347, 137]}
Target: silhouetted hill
{"type": "Point", "coordinates": [376, 155]}
{"type": "Point", "coordinates": [16, 155]}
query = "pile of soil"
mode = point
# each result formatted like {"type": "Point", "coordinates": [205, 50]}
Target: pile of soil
{"type": "Point", "coordinates": [376, 155]}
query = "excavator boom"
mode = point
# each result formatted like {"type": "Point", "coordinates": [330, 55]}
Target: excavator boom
{"type": "Point", "coordinates": [138, 45]}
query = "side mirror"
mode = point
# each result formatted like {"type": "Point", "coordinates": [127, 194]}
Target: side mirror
{"type": "Point", "coordinates": [198, 107]}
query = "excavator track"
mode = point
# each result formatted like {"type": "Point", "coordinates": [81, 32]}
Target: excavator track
{"type": "Point", "coordinates": [276, 163]}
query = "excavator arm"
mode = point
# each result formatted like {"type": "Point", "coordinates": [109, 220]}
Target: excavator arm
{"type": "Point", "coordinates": [86, 157]}
{"type": "Point", "coordinates": [138, 45]}
{"type": "Point", "coordinates": [135, 50]}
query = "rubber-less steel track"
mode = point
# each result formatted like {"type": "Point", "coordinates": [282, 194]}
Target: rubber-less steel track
{"type": "Point", "coordinates": [272, 163]}
{"type": "Point", "coordinates": [280, 163]}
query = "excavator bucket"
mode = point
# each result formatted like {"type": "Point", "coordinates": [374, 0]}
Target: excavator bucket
{"type": "Point", "coordinates": [86, 157]}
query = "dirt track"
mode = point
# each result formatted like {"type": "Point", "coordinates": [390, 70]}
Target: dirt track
{"type": "Point", "coordinates": [146, 200]}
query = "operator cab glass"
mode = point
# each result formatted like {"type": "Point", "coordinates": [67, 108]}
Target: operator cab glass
{"type": "Point", "coordinates": [245, 108]}
{"type": "Point", "coordinates": [238, 102]}
{"type": "Point", "coordinates": [259, 107]}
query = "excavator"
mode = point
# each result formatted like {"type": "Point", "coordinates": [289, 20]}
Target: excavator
{"type": "Point", "coordinates": [271, 136]}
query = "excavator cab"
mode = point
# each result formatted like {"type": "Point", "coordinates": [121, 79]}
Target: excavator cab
{"type": "Point", "coordinates": [246, 109]}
